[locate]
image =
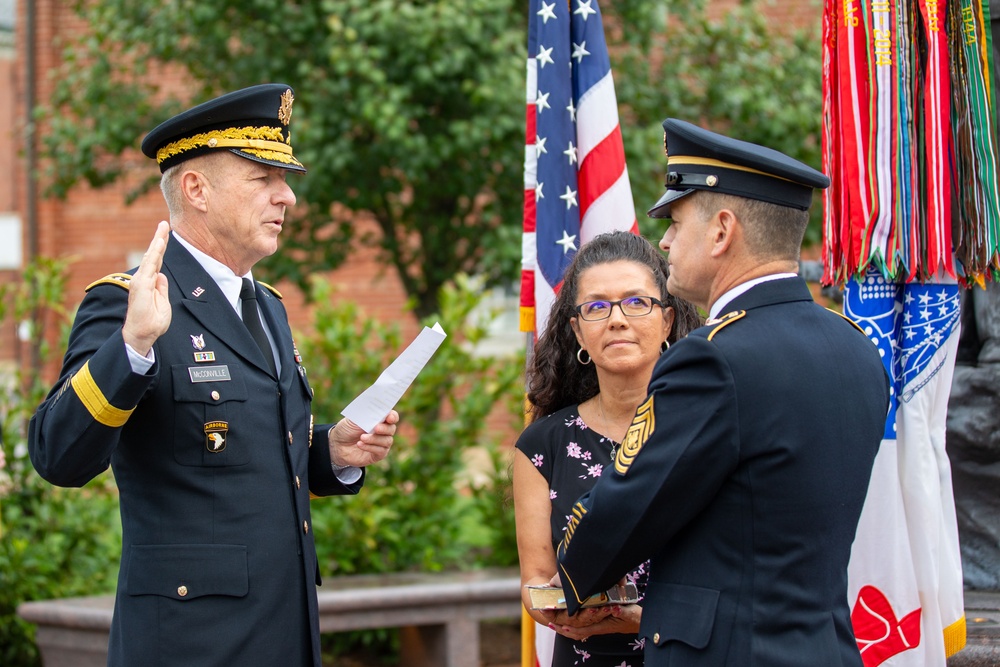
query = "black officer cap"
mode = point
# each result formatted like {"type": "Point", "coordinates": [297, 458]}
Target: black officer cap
{"type": "Point", "coordinates": [701, 160]}
{"type": "Point", "coordinates": [252, 123]}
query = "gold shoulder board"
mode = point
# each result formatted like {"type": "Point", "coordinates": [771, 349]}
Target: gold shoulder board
{"type": "Point", "coordinates": [123, 280]}
{"type": "Point", "coordinates": [853, 323]}
{"type": "Point", "coordinates": [725, 321]}
{"type": "Point", "coordinates": [270, 289]}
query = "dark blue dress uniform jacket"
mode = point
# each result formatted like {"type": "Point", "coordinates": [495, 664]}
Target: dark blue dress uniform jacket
{"type": "Point", "coordinates": [742, 477]}
{"type": "Point", "coordinates": [218, 563]}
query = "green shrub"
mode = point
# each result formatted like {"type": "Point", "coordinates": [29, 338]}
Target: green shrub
{"type": "Point", "coordinates": [420, 509]}
{"type": "Point", "coordinates": [53, 542]}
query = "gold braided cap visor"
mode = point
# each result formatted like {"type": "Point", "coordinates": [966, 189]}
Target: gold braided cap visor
{"type": "Point", "coordinates": [267, 143]}
{"type": "Point", "coordinates": [680, 160]}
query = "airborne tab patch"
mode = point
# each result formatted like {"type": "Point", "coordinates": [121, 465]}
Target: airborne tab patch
{"type": "Point", "coordinates": [638, 433]}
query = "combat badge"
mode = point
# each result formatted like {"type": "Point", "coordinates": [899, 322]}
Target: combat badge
{"type": "Point", "coordinates": [198, 342]}
{"type": "Point", "coordinates": [215, 436]}
{"type": "Point", "coordinates": [638, 433]}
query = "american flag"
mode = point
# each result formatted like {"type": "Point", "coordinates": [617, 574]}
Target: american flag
{"type": "Point", "coordinates": [575, 181]}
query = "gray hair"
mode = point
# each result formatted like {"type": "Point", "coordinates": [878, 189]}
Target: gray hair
{"type": "Point", "coordinates": [171, 189]}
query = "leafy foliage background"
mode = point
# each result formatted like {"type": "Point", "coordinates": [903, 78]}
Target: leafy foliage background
{"type": "Point", "coordinates": [410, 113]}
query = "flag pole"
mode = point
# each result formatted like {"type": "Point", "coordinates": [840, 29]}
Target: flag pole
{"type": "Point", "coordinates": [528, 658]}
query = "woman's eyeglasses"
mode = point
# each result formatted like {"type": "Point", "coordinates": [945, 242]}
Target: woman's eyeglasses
{"type": "Point", "coordinates": [631, 306]}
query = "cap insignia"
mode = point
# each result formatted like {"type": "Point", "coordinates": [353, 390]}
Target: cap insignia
{"type": "Point", "coordinates": [285, 111]}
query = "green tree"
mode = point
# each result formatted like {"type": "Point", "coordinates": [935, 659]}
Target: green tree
{"type": "Point", "coordinates": [411, 111]}
{"type": "Point", "coordinates": [741, 72]}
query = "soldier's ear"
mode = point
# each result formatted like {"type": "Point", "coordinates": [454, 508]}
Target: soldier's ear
{"type": "Point", "coordinates": [195, 188]}
{"type": "Point", "coordinates": [724, 229]}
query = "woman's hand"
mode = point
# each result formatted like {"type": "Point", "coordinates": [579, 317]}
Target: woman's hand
{"type": "Point", "coordinates": [582, 619]}
{"type": "Point", "coordinates": [622, 619]}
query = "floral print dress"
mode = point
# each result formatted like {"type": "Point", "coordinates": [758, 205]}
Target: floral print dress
{"type": "Point", "coordinates": [572, 456]}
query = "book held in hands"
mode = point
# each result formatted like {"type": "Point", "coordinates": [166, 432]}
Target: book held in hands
{"type": "Point", "coordinates": [552, 597]}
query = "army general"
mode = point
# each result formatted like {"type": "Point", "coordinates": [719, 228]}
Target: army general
{"type": "Point", "coordinates": [182, 375]}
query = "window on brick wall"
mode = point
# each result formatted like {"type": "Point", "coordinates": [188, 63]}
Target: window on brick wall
{"type": "Point", "coordinates": [10, 241]}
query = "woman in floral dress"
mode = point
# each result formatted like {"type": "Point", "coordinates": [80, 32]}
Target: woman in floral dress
{"type": "Point", "coordinates": [611, 320]}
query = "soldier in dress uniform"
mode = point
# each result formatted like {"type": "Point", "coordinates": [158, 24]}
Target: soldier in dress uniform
{"type": "Point", "coordinates": [744, 471]}
{"type": "Point", "coordinates": [182, 375]}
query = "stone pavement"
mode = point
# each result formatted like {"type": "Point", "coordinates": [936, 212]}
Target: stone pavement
{"type": "Point", "coordinates": [982, 617]}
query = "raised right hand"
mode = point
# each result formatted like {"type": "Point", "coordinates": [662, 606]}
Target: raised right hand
{"type": "Point", "coordinates": [148, 315]}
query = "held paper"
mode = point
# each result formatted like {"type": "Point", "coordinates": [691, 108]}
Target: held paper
{"type": "Point", "coordinates": [374, 403]}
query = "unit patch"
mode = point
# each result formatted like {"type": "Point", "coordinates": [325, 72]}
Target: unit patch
{"type": "Point", "coordinates": [638, 433]}
{"type": "Point", "coordinates": [215, 436]}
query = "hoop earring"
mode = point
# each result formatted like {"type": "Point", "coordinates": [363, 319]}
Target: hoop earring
{"type": "Point", "coordinates": [580, 358]}
{"type": "Point", "coordinates": [665, 346]}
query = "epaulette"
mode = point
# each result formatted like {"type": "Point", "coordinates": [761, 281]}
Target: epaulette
{"type": "Point", "coordinates": [724, 321]}
{"type": "Point", "coordinates": [123, 280]}
{"type": "Point", "coordinates": [270, 289]}
{"type": "Point", "coordinates": [853, 323]}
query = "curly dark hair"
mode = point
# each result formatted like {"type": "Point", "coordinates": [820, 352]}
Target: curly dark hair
{"type": "Point", "coordinates": [555, 378]}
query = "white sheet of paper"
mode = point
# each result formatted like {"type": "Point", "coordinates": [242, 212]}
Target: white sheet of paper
{"type": "Point", "coordinates": [375, 402]}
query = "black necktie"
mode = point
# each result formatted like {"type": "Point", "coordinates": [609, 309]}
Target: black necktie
{"type": "Point", "coordinates": [251, 318]}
